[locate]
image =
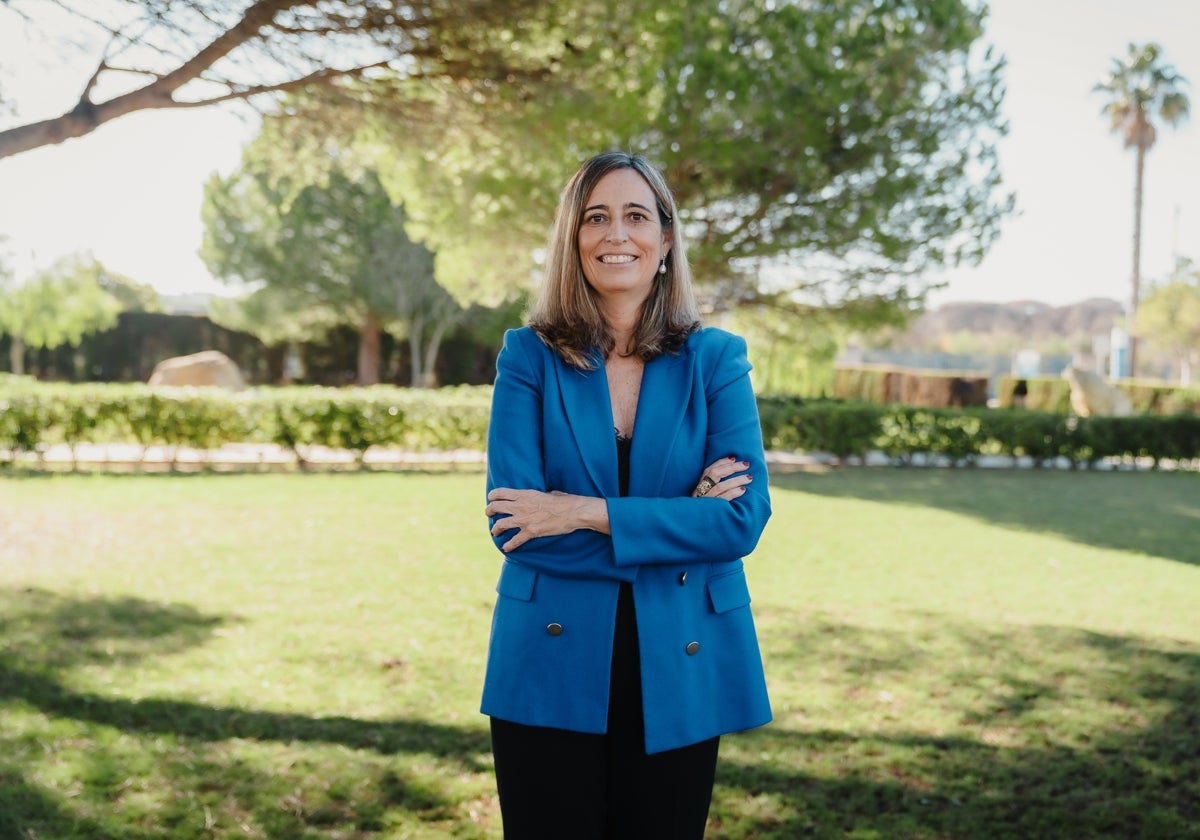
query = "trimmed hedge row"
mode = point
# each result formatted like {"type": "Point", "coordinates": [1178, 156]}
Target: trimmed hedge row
{"type": "Point", "coordinates": [961, 436]}
{"type": "Point", "coordinates": [35, 415]}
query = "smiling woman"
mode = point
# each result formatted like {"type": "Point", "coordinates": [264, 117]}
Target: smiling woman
{"type": "Point", "coordinates": [622, 643]}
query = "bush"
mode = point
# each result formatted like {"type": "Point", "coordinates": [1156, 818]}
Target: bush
{"type": "Point", "coordinates": [33, 415]}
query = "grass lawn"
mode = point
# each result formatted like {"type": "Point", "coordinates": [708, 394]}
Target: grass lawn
{"type": "Point", "coordinates": [951, 653]}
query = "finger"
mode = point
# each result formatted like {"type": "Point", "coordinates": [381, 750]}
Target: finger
{"type": "Point", "coordinates": [517, 541]}
{"type": "Point", "coordinates": [500, 507]}
{"type": "Point", "coordinates": [726, 467]}
{"type": "Point", "coordinates": [502, 525]}
{"type": "Point", "coordinates": [728, 493]}
{"type": "Point", "coordinates": [732, 487]}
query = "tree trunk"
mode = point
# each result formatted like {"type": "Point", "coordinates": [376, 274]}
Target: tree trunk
{"type": "Point", "coordinates": [429, 375]}
{"type": "Point", "coordinates": [16, 355]}
{"type": "Point", "coordinates": [415, 327]}
{"type": "Point", "coordinates": [1135, 290]}
{"type": "Point", "coordinates": [368, 351]}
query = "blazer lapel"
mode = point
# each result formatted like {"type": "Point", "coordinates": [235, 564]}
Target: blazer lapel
{"type": "Point", "coordinates": [588, 413]}
{"type": "Point", "coordinates": [664, 402]}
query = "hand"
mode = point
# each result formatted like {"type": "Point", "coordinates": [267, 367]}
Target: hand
{"type": "Point", "coordinates": [534, 513]}
{"type": "Point", "coordinates": [726, 479]}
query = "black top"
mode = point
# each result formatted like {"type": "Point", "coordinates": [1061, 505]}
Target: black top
{"type": "Point", "coordinates": [623, 446]}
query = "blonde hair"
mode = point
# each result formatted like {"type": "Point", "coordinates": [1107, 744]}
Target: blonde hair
{"type": "Point", "coordinates": [566, 315]}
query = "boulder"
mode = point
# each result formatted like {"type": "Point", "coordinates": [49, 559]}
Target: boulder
{"type": "Point", "coordinates": [208, 367]}
{"type": "Point", "coordinates": [1092, 395]}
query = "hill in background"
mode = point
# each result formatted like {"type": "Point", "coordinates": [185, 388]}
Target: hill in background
{"type": "Point", "coordinates": [972, 327]}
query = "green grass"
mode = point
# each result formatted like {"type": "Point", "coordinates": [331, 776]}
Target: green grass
{"type": "Point", "coordinates": [951, 653]}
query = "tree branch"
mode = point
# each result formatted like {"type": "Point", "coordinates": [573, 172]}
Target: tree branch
{"type": "Point", "coordinates": [86, 116]}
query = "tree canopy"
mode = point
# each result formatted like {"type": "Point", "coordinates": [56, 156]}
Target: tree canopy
{"type": "Point", "coordinates": [1169, 318]}
{"type": "Point", "coordinates": [828, 155]}
{"type": "Point", "coordinates": [825, 154]}
{"type": "Point", "coordinates": [57, 306]}
{"type": "Point", "coordinates": [321, 253]}
{"type": "Point", "coordinates": [150, 54]}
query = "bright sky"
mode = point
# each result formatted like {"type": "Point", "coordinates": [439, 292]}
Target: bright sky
{"type": "Point", "coordinates": [131, 192]}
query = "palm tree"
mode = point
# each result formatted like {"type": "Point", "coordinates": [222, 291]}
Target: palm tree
{"type": "Point", "coordinates": [1140, 89]}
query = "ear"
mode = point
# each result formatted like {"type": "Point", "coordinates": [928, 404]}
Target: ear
{"type": "Point", "coordinates": [667, 239]}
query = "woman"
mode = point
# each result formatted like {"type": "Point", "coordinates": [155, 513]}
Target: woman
{"type": "Point", "coordinates": [626, 480]}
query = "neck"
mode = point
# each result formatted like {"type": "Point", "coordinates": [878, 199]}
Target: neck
{"type": "Point", "coordinates": [622, 319]}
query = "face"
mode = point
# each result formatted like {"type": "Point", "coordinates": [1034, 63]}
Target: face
{"type": "Point", "coordinates": [621, 241]}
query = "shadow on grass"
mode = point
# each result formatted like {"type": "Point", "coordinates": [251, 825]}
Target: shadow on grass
{"type": "Point", "coordinates": [1154, 513]}
{"type": "Point", "coordinates": [937, 728]}
{"type": "Point", "coordinates": [954, 731]}
{"type": "Point", "coordinates": [338, 772]}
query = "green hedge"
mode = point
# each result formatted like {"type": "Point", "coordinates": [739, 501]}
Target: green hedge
{"type": "Point", "coordinates": [35, 415]}
{"type": "Point", "coordinates": [961, 436]}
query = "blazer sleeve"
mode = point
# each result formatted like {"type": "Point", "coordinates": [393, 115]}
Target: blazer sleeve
{"type": "Point", "coordinates": [682, 529]}
{"type": "Point", "coordinates": [516, 458]}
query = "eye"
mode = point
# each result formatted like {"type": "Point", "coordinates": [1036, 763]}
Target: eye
{"type": "Point", "coordinates": [637, 216]}
{"type": "Point", "coordinates": [594, 219]}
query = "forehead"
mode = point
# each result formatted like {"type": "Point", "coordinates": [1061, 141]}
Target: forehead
{"type": "Point", "coordinates": [620, 187]}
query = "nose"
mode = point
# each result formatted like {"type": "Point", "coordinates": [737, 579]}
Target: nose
{"type": "Point", "coordinates": [616, 232]}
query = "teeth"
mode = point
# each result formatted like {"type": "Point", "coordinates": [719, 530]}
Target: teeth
{"type": "Point", "coordinates": [617, 258]}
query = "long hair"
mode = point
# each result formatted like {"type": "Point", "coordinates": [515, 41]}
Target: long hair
{"type": "Point", "coordinates": [566, 315]}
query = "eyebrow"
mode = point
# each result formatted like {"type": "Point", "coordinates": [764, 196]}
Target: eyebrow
{"type": "Point", "coordinates": [627, 206]}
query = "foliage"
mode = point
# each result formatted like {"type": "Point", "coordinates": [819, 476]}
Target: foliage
{"type": "Point", "coordinates": [34, 416]}
{"type": "Point", "coordinates": [978, 655]}
{"type": "Point", "coordinates": [1169, 318]}
{"type": "Point", "coordinates": [826, 155]}
{"type": "Point", "coordinates": [196, 53]}
{"type": "Point", "coordinates": [57, 306]}
{"type": "Point", "coordinates": [129, 294]}
{"type": "Point", "coordinates": [834, 150]}
{"type": "Point", "coordinates": [790, 353]}
{"type": "Point", "coordinates": [1140, 89]}
{"type": "Point", "coordinates": [325, 252]}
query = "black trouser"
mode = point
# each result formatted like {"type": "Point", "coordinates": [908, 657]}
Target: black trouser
{"type": "Point", "coordinates": [559, 784]}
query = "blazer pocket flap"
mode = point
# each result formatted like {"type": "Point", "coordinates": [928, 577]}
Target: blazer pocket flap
{"type": "Point", "coordinates": [516, 581]}
{"type": "Point", "coordinates": [728, 592]}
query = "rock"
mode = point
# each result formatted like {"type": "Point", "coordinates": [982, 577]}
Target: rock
{"type": "Point", "coordinates": [1092, 395]}
{"type": "Point", "coordinates": [208, 367]}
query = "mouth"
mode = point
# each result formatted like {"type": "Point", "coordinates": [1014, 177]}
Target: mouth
{"type": "Point", "coordinates": [617, 259]}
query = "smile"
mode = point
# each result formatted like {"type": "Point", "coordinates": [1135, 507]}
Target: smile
{"type": "Point", "coordinates": [617, 259]}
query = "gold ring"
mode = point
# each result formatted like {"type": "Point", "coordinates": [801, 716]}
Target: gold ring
{"type": "Point", "coordinates": [705, 485]}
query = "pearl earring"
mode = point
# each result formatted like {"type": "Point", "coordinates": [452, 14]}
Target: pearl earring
{"type": "Point", "coordinates": [662, 266]}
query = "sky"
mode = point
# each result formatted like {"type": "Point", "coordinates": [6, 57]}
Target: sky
{"type": "Point", "coordinates": [130, 193]}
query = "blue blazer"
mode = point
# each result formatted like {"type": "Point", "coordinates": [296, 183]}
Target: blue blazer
{"type": "Point", "coordinates": [552, 628]}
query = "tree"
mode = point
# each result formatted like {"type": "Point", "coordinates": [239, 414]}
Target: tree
{"type": "Point", "coordinates": [130, 295]}
{"type": "Point", "coordinates": [58, 306]}
{"type": "Point", "coordinates": [1169, 318]}
{"type": "Point", "coordinates": [1139, 90]}
{"type": "Point", "coordinates": [279, 319]}
{"type": "Point", "coordinates": [827, 155]}
{"type": "Point", "coordinates": [338, 247]}
{"type": "Point", "coordinates": [196, 53]}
